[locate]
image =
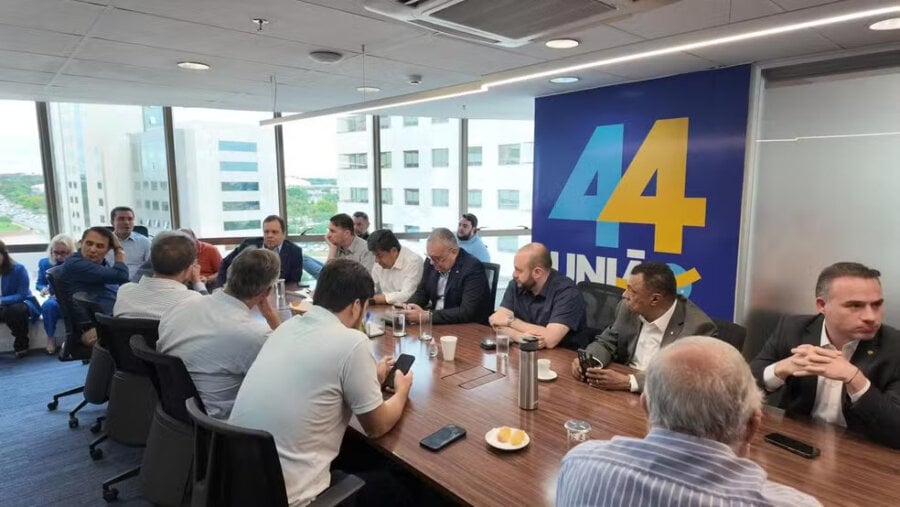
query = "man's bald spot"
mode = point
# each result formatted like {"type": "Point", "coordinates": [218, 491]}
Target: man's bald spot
{"type": "Point", "coordinates": [538, 256]}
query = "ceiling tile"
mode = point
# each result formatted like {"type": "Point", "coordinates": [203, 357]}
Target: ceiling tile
{"type": "Point", "coordinates": [25, 76]}
{"type": "Point", "coordinates": [30, 61]}
{"type": "Point", "coordinates": [455, 55]}
{"type": "Point", "coordinates": [687, 16]}
{"type": "Point", "coordinates": [64, 16]}
{"type": "Point", "coordinates": [592, 39]}
{"type": "Point", "coordinates": [668, 65]}
{"type": "Point", "coordinates": [858, 34]}
{"type": "Point", "coordinates": [32, 40]}
{"type": "Point", "coordinates": [785, 45]}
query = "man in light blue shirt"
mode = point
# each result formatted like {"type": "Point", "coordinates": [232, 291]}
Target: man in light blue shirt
{"type": "Point", "coordinates": [703, 408]}
{"type": "Point", "coordinates": [135, 245]}
{"type": "Point", "coordinates": [467, 236]}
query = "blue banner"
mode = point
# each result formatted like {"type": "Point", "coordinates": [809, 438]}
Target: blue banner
{"type": "Point", "coordinates": [646, 171]}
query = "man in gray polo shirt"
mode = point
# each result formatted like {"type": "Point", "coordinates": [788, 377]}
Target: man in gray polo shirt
{"type": "Point", "coordinates": [343, 243]}
{"type": "Point", "coordinates": [135, 245]}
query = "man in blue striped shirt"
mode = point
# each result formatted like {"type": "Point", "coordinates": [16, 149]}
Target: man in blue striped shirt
{"type": "Point", "coordinates": [703, 407]}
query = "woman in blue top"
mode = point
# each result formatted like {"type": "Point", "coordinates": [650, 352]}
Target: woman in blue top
{"type": "Point", "coordinates": [17, 304]}
{"type": "Point", "coordinates": [60, 248]}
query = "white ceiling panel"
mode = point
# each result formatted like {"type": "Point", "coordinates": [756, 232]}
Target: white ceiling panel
{"type": "Point", "coordinates": [691, 15]}
{"type": "Point", "coordinates": [32, 40]}
{"type": "Point", "coordinates": [64, 16]}
{"type": "Point", "coordinates": [26, 76]}
{"type": "Point", "coordinates": [667, 65]}
{"type": "Point", "coordinates": [447, 53]}
{"type": "Point", "coordinates": [30, 61]}
{"type": "Point", "coordinates": [802, 4]}
{"type": "Point", "coordinates": [591, 39]}
{"type": "Point", "coordinates": [858, 34]}
{"type": "Point", "coordinates": [793, 44]}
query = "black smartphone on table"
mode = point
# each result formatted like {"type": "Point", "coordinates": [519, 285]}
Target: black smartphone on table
{"type": "Point", "coordinates": [403, 363]}
{"type": "Point", "coordinates": [443, 437]}
{"type": "Point", "coordinates": [793, 445]}
{"type": "Point", "coordinates": [488, 343]}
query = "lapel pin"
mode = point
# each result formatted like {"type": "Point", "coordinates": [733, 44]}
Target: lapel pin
{"type": "Point", "coordinates": [870, 352]}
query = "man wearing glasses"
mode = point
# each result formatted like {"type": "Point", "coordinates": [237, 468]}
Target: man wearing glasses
{"type": "Point", "coordinates": [453, 286]}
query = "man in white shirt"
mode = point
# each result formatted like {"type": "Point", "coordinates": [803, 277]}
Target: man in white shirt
{"type": "Point", "coordinates": [135, 245]}
{"type": "Point", "coordinates": [343, 243]}
{"type": "Point", "coordinates": [313, 373]}
{"type": "Point", "coordinates": [397, 270]}
{"type": "Point", "coordinates": [650, 316]}
{"type": "Point", "coordinates": [841, 366]}
{"type": "Point", "coordinates": [218, 336]}
{"type": "Point", "coordinates": [173, 256]}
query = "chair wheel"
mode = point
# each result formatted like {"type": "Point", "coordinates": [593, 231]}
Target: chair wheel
{"type": "Point", "coordinates": [96, 453]}
{"type": "Point", "coordinates": [96, 427]}
{"type": "Point", "coordinates": [52, 405]}
{"type": "Point", "coordinates": [111, 494]}
{"type": "Point", "coordinates": [73, 422]}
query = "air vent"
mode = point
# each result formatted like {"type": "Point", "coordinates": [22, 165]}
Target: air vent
{"type": "Point", "coordinates": [509, 23]}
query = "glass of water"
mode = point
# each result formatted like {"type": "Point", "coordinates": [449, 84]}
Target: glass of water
{"type": "Point", "coordinates": [577, 431]}
{"type": "Point", "coordinates": [502, 345]}
{"type": "Point", "coordinates": [425, 325]}
{"type": "Point", "coordinates": [398, 322]}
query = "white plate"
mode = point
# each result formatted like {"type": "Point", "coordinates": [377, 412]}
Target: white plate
{"type": "Point", "coordinates": [548, 378]}
{"type": "Point", "coordinates": [491, 438]}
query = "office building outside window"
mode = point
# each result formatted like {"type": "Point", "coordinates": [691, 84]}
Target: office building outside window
{"type": "Point", "coordinates": [507, 199]}
{"type": "Point", "coordinates": [23, 202]}
{"type": "Point", "coordinates": [353, 161]}
{"type": "Point", "coordinates": [440, 157]}
{"type": "Point", "coordinates": [385, 160]}
{"type": "Point", "coordinates": [440, 197]}
{"type": "Point", "coordinates": [509, 154]}
{"type": "Point", "coordinates": [411, 159]}
{"type": "Point", "coordinates": [474, 199]}
{"type": "Point", "coordinates": [359, 194]}
{"type": "Point", "coordinates": [474, 152]}
{"type": "Point", "coordinates": [411, 196]}
{"type": "Point", "coordinates": [410, 121]}
{"type": "Point", "coordinates": [387, 196]}
{"type": "Point", "coordinates": [353, 123]}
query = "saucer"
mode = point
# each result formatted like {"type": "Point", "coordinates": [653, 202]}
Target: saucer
{"type": "Point", "coordinates": [551, 376]}
{"type": "Point", "coordinates": [491, 438]}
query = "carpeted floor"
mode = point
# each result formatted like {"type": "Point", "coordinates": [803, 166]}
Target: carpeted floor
{"type": "Point", "coordinates": [42, 461]}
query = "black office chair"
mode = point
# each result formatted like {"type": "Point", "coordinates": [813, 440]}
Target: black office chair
{"type": "Point", "coordinates": [600, 302]}
{"type": "Point", "coordinates": [760, 325]}
{"type": "Point", "coordinates": [132, 398]}
{"type": "Point", "coordinates": [72, 349]}
{"type": "Point", "coordinates": [493, 275]}
{"type": "Point", "coordinates": [735, 334]}
{"type": "Point", "coordinates": [166, 466]}
{"type": "Point", "coordinates": [236, 466]}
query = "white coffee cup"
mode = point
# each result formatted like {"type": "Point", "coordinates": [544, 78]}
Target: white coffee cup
{"type": "Point", "coordinates": [543, 367]}
{"type": "Point", "coordinates": [448, 347]}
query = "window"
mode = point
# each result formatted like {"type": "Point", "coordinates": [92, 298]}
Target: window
{"type": "Point", "coordinates": [440, 197]}
{"type": "Point", "coordinates": [163, 186]}
{"type": "Point", "coordinates": [385, 122]}
{"type": "Point", "coordinates": [154, 186]}
{"type": "Point", "coordinates": [226, 150]}
{"type": "Point", "coordinates": [120, 147]}
{"type": "Point", "coordinates": [354, 123]}
{"type": "Point", "coordinates": [243, 146]}
{"type": "Point", "coordinates": [353, 161]}
{"type": "Point", "coordinates": [385, 160]}
{"type": "Point", "coordinates": [410, 121]}
{"type": "Point", "coordinates": [242, 225]}
{"type": "Point", "coordinates": [507, 199]}
{"type": "Point", "coordinates": [387, 196]}
{"type": "Point", "coordinates": [240, 205]}
{"type": "Point", "coordinates": [410, 228]}
{"type": "Point", "coordinates": [410, 159]}
{"type": "Point", "coordinates": [231, 186]}
{"type": "Point", "coordinates": [440, 157]}
{"type": "Point", "coordinates": [164, 205]}
{"type": "Point", "coordinates": [475, 198]}
{"type": "Point", "coordinates": [508, 244]}
{"type": "Point", "coordinates": [411, 196]}
{"type": "Point", "coordinates": [508, 154]}
{"type": "Point", "coordinates": [437, 121]}
{"type": "Point", "coordinates": [359, 194]}
{"type": "Point", "coordinates": [317, 188]}
{"type": "Point", "coordinates": [474, 157]}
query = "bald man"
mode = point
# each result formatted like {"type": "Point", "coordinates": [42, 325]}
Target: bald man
{"type": "Point", "coordinates": [539, 301]}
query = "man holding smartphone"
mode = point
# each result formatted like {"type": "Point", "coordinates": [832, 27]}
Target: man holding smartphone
{"type": "Point", "coordinates": [842, 365]}
{"type": "Point", "coordinates": [312, 374]}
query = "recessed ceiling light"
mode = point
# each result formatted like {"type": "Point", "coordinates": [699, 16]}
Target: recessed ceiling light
{"type": "Point", "coordinates": [326, 56]}
{"type": "Point", "coordinates": [193, 65]}
{"type": "Point", "coordinates": [562, 43]}
{"type": "Point", "coordinates": [368, 89]}
{"type": "Point", "coordinates": [565, 79]}
{"type": "Point", "coordinates": [886, 24]}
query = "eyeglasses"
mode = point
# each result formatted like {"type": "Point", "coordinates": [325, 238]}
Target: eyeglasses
{"type": "Point", "coordinates": [60, 252]}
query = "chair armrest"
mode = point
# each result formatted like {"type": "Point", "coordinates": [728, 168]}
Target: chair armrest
{"type": "Point", "coordinates": [345, 487]}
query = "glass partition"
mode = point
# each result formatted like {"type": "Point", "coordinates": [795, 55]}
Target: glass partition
{"type": "Point", "coordinates": [23, 202]}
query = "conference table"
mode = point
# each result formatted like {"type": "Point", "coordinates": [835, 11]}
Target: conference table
{"type": "Point", "coordinates": [479, 392]}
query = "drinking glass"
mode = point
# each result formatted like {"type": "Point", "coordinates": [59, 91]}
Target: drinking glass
{"type": "Point", "coordinates": [398, 322]}
{"type": "Point", "coordinates": [280, 299]}
{"type": "Point", "coordinates": [425, 325]}
{"type": "Point", "coordinates": [502, 345]}
{"type": "Point", "coordinates": [577, 431]}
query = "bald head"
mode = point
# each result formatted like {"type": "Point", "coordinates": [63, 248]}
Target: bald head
{"type": "Point", "coordinates": [538, 256]}
{"type": "Point", "coordinates": [701, 386]}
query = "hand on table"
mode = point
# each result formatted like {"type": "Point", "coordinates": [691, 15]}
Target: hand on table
{"type": "Point", "coordinates": [808, 360]}
{"type": "Point", "coordinates": [608, 379]}
{"type": "Point", "coordinates": [412, 311]}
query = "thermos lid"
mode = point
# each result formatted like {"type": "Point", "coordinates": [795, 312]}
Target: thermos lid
{"type": "Point", "coordinates": [528, 344]}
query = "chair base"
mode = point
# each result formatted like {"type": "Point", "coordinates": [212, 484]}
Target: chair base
{"type": "Point", "coordinates": [55, 403]}
{"type": "Point", "coordinates": [110, 493]}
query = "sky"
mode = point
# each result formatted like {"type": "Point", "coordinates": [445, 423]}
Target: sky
{"type": "Point", "coordinates": [20, 150]}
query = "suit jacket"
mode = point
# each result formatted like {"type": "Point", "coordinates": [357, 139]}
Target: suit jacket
{"type": "Point", "coordinates": [876, 413]}
{"type": "Point", "coordinates": [16, 288]}
{"type": "Point", "coordinates": [619, 341]}
{"type": "Point", "coordinates": [291, 260]}
{"type": "Point", "coordinates": [466, 298]}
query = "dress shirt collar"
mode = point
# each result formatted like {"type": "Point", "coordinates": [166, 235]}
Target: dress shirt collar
{"type": "Point", "coordinates": [276, 248]}
{"type": "Point", "coordinates": [402, 260]}
{"type": "Point", "coordinates": [161, 283]}
{"type": "Point", "coordinates": [231, 301]}
{"type": "Point", "coordinates": [661, 323]}
{"type": "Point", "coordinates": [665, 437]}
{"type": "Point", "coordinates": [848, 350]}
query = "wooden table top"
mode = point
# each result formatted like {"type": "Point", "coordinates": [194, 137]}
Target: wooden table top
{"type": "Point", "coordinates": [473, 392]}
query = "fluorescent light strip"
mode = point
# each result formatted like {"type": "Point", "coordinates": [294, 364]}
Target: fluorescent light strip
{"type": "Point", "coordinates": [485, 86]}
{"type": "Point", "coordinates": [700, 44]}
{"type": "Point", "coordinates": [829, 136]}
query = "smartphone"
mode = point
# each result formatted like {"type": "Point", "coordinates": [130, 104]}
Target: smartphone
{"type": "Point", "coordinates": [443, 437]}
{"type": "Point", "coordinates": [403, 363]}
{"type": "Point", "coordinates": [488, 343]}
{"type": "Point", "coordinates": [793, 445]}
{"type": "Point", "coordinates": [586, 361]}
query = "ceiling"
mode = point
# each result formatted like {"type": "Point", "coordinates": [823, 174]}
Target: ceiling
{"type": "Point", "coordinates": [125, 51]}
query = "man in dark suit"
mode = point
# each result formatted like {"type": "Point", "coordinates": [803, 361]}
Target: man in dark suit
{"type": "Point", "coordinates": [841, 366]}
{"type": "Point", "coordinates": [650, 316]}
{"type": "Point", "coordinates": [454, 285]}
{"type": "Point", "coordinates": [274, 238]}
